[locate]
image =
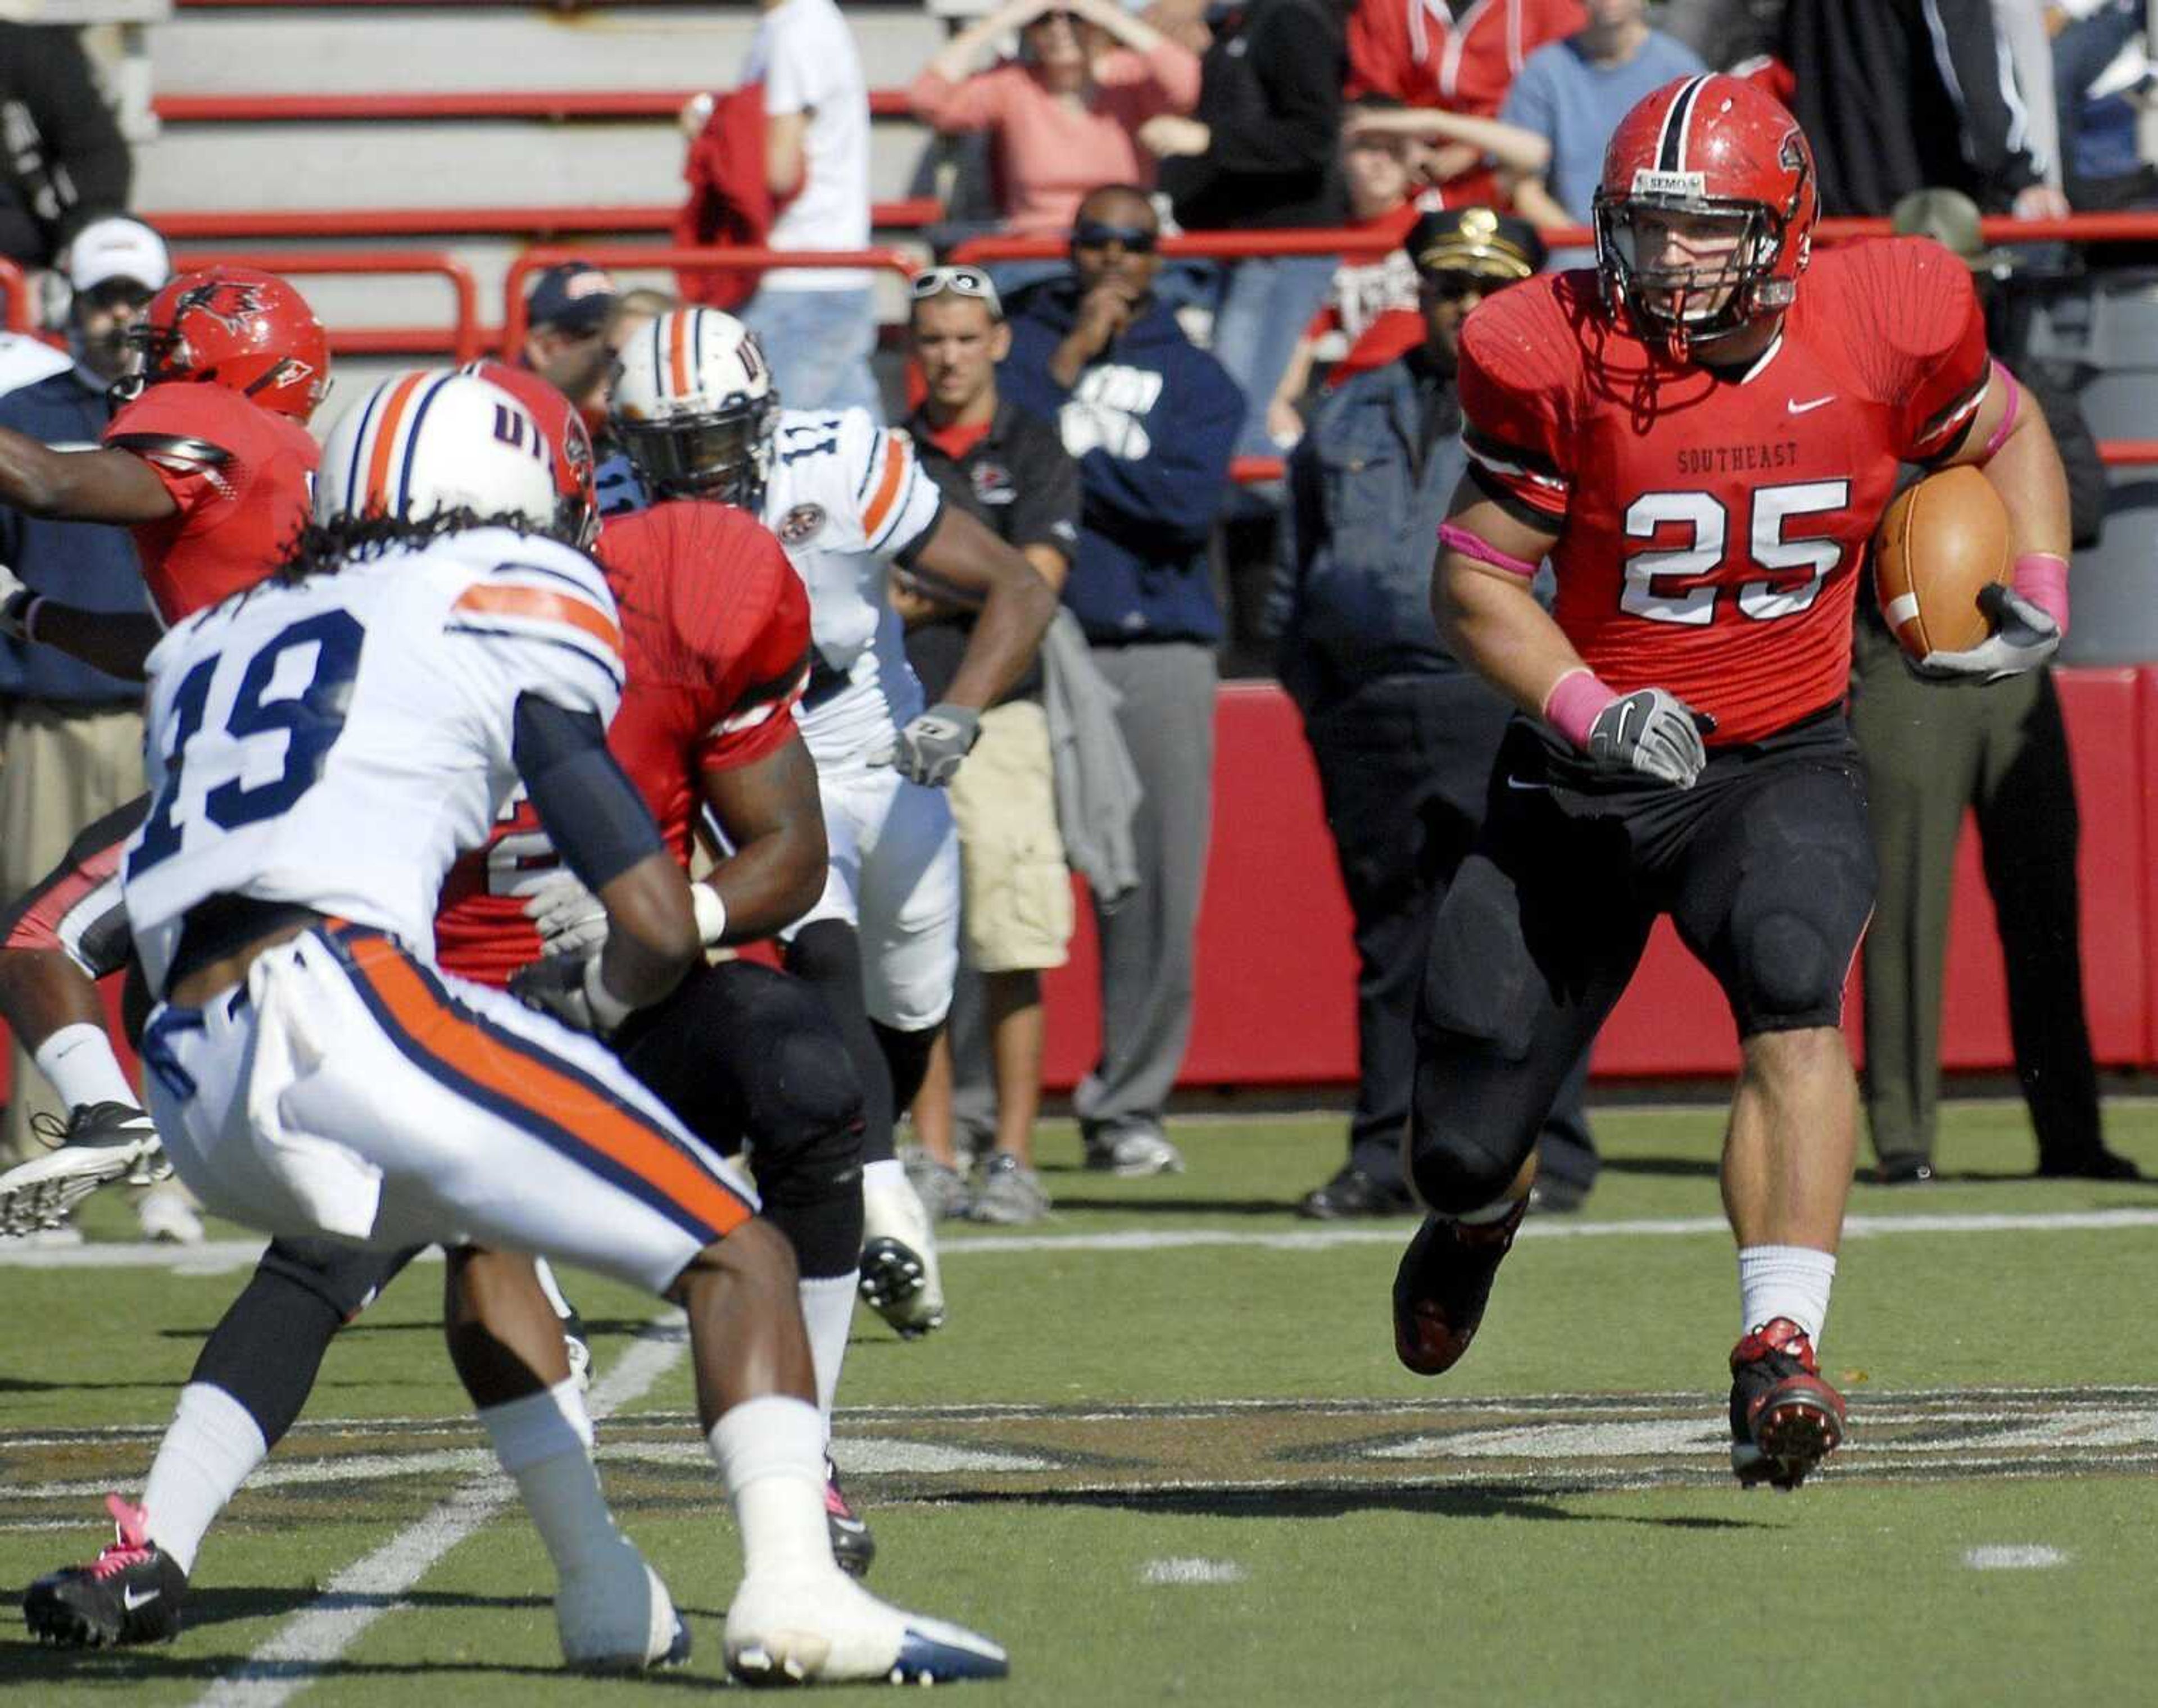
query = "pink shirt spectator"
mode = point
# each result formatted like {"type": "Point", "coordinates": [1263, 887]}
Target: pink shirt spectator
{"type": "Point", "coordinates": [1051, 150]}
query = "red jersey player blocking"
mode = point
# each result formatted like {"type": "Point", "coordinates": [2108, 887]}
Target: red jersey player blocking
{"type": "Point", "coordinates": [208, 462]}
{"type": "Point", "coordinates": [1701, 434]}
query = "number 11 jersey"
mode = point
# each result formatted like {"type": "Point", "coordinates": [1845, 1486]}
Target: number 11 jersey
{"type": "Point", "coordinates": [1712, 525]}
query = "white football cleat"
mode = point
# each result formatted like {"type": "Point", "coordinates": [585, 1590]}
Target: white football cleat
{"type": "Point", "coordinates": [828, 1630]}
{"type": "Point", "coordinates": [98, 1144]}
{"type": "Point", "coordinates": [899, 1280]}
{"type": "Point", "coordinates": [615, 1615]}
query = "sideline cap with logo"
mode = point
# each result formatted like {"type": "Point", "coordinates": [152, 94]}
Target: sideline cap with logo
{"type": "Point", "coordinates": [1475, 241]}
{"type": "Point", "coordinates": [576, 295]}
{"type": "Point", "coordinates": [117, 248]}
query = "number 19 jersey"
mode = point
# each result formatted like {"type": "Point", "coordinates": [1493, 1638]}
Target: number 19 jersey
{"type": "Point", "coordinates": [1712, 526]}
{"type": "Point", "coordinates": [334, 744]}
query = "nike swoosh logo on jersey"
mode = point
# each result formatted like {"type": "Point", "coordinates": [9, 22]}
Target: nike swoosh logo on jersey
{"type": "Point", "coordinates": [1515, 782]}
{"type": "Point", "coordinates": [1800, 408]}
{"type": "Point", "coordinates": [143, 1600]}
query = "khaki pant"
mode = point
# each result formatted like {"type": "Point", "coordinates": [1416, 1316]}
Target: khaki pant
{"type": "Point", "coordinates": [60, 766]}
{"type": "Point", "coordinates": [1017, 915]}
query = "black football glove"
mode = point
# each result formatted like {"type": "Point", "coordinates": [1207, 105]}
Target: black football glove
{"type": "Point", "coordinates": [1650, 732]}
{"type": "Point", "coordinates": [929, 749]}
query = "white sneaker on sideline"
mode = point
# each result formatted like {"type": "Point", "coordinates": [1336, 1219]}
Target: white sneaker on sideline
{"type": "Point", "coordinates": [827, 1629]}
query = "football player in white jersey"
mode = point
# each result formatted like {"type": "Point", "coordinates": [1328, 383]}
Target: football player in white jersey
{"type": "Point", "coordinates": [695, 403]}
{"type": "Point", "coordinates": [320, 749]}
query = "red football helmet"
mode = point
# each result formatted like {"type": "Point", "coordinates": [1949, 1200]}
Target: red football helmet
{"type": "Point", "coordinates": [1715, 148]}
{"type": "Point", "coordinates": [237, 327]}
{"type": "Point", "coordinates": [571, 444]}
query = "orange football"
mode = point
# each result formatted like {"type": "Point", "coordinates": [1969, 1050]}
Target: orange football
{"type": "Point", "coordinates": [1939, 544]}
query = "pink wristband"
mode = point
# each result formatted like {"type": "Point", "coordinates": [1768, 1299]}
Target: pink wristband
{"type": "Point", "coordinates": [2042, 578]}
{"type": "Point", "coordinates": [1574, 702]}
{"type": "Point", "coordinates": [1460, 540]}
{"type": "Point", "coordinates": [2008, 416]}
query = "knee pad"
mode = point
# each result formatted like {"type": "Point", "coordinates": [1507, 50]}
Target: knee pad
{"type": "Point", "coordinates": [1474, 1116]}
{"type": "Point", "coordinates": [805, 1128]}
{"type": "Point", "coordinates": [1794, 949]}
{"type": "Point", "coordinates": [346, 1278]}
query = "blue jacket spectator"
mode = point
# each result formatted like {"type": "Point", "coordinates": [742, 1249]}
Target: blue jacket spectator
{"type": "Point", "coordinates": [1152, 422]}
{"type": "Point", "coordinates": [1368, 485]}
{"type": "Point", "coordinates": [81, 563]}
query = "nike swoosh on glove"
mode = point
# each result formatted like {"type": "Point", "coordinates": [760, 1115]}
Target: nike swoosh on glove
{"type": "Point", "coordinates": [1650, 732]}
{"type": "Point", "coordinates": [2023, 638]}
{"type": "Point", "coordinates": [929, 749]}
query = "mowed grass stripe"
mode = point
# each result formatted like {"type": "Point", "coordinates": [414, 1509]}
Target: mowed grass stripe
{"type": "Point", "coordinates": [222, 1255]}
{"type": "Point", "coordinates": [364, 1592]}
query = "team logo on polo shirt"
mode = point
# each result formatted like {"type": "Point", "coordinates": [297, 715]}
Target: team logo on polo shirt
{"type": "Point", "coordinates": [992, 483]}
{"type": "Point", "coordinates": [802, 524]}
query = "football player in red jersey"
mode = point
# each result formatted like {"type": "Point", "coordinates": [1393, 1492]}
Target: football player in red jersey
{"type": "Point", "coordinates": [209, 464]}
{"type": "Point", "coordinates": [1701, 435]}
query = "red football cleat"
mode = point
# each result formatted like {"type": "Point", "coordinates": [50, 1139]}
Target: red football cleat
{"type": "Point", "coordinates": [1784, 1418]}
{"type": "Point", "coordinates": [1442, 1285]}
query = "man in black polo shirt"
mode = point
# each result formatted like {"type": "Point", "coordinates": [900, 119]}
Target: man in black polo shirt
{"type": "Point", "coordinates": [1011, 471]}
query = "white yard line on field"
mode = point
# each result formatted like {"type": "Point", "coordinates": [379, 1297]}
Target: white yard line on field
{"type": "Point", "coordinates": [311, 1639]}
{"type": "Point", "coordinates": [227, 1255]}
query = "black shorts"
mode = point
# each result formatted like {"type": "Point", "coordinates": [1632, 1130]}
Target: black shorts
{"type": "Point", "coordinates": [1765, 867]}
{"type": "Point", "coordinates": [75, 908]}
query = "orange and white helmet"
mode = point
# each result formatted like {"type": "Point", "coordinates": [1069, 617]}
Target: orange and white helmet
{"type": "Point", "coordinates": [435, 440]}
{"type": "Point", "coordinates": [694, 407]}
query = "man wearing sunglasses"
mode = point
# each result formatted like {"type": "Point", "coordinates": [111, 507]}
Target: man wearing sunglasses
{"type": "Point", "coordinates": [1152, 421]}
{"type": "Point", "coordinates": [1403, 736]}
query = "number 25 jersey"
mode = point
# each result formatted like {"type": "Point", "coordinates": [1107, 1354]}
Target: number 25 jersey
{"type": "Point", "coordinates": [335, 743]}
{"type": "Point", "coordinates": [1712, 526]}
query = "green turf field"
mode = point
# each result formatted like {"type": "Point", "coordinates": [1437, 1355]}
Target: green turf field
{"type": "Point", "coordinates": [1162, 1451]}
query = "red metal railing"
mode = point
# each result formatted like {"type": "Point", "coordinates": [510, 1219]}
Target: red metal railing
{"type": "Point", "coordinates": [18, 317]}
{"type": "Point", "coordinates": [546, 105]}
{"type": "Point", "coordinates": [465, 342]}
{"type": "Point", "coordinates": [240, 224]}
{"type": "Point", "coordinates": [627, 255]}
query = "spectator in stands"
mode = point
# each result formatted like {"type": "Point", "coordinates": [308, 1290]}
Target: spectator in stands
{"type": "Point", "coordinates": [1066, 115]}
{"type": "Point", "coordinates": [1380, 169]}
{"type": "Point", "coordinates": [1262, 151]}
{"type": "Point", "coordinates": [1897, 95]}
{"type": "Point", "coordinates": [817, 325]}
{"type": "Point", "coordinates": [1404, 738]}
{"type": "Point", "coordinates": [2001, 752]}
{"type": "Point", "coordinates": [2096, 81]}
{"type": "Point", "coordinates": [1009, 469]}
{"type": "Point", "coordinates": [567, 316]}
{"type": "Point", "coordinates": [61, 153]}
{"type": "Point", "coordinates": [1571, 94]}
{"type": "Point", "coordinates": [1152, 421]}
{"type": "Point", "coordinates": [70, 737]}
{"type": "Point", "coordinates": [1460, 55]}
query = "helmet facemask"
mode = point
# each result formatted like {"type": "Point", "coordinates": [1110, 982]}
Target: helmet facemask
{"type": "Point", "coordinates": [1681, 308]}
{"type": "Point", "coordinates": [725, 454]}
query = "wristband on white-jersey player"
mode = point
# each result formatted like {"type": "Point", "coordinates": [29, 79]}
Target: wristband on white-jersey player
{"type": "Point", "coordinates": [711, 909]}
{"type": "Point", "coordinates": [1455, 537]}
{"type": "Point", "coordinates": [1577, 700]}
{"type": "Point", "coordinates": [609, 1010]}
{"type": "Point", "coordinates": [2042, 578]}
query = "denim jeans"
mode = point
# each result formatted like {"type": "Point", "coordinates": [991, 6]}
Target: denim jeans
{"type": "Point", "coordinates": [1268, 303]}
{"type": "Point", "coordinates": [819, 343]}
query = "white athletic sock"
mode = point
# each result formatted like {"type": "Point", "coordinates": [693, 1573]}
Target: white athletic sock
{"type": "Point", "coordinates": [770, 1454]}
{"type": "Point", "coordinates": [828, 1313]}
{"type": "Point", "coordinates": [883, 1176]}
{"type": "Point", "coordinates": [545, 1441]}
{"type": "Point", "coordinates": [1784, 1280]}
{"type": "Point", "coordinates": [80, 1062]}
{"type": "Point", "coordinates": [211, 1446]}
{"type": "Point", "coordinates": [1498, 1210]}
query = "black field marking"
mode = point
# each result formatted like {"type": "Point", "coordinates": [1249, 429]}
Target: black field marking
{"type": "Point", "coordinates": [1300, 1456]}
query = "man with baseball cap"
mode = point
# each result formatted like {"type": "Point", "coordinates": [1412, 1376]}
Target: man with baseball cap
{"type": "Point", "coordinates": [566, 341]}
{"type": "Point", "coordinates": [1403, 736]}
{"type": "Point", "coordinates": [71, 736]}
